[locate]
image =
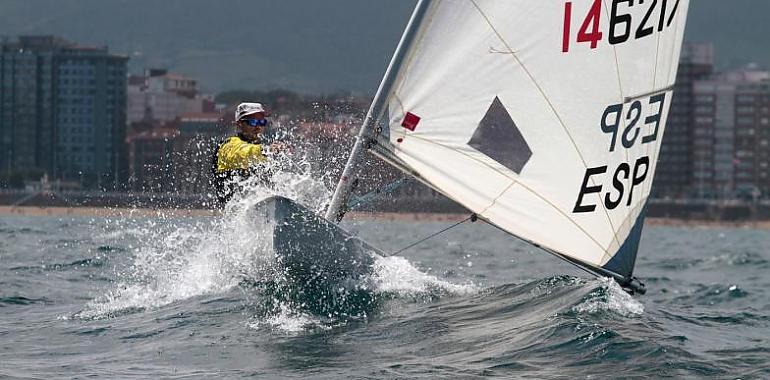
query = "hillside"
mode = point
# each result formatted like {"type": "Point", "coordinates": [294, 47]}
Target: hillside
{"type": "Point", "coordinates": [310, 46]}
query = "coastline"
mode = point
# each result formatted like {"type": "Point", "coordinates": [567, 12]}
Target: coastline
{"type": "Point", "coordinates": [33, 211]}
{"type": "Point", "coordinates": [105, 212]}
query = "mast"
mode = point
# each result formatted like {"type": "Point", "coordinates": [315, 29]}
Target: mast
{"type": "Point", "coordinates": [336, 210]}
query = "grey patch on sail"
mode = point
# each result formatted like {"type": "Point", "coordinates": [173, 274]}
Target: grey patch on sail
{"type": "Point", "coordinates": [498, 137]}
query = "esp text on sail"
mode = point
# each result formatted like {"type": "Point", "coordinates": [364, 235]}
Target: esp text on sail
{"type": "Point", "coordinates": [625, 126]}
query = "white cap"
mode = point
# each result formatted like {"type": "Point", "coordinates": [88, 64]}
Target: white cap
{"type": "Point", "coordinates": [246, 109]}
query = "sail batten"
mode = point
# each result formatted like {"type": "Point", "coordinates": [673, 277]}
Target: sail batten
{"type": "Point", "coordinates": [547, 128]}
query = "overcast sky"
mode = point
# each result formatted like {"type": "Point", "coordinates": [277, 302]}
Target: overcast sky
{"type": "Point", "coordinates": [306, 45]}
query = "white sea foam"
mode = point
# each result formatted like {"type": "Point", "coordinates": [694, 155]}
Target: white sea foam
{"type": "Point", "coordinates": [613, 299]}
{"type": "Point", "coordinates": [288, 320]}
{"type": "Point", "coordinates": [122, 233]}
{"type": "Point", "coordinates": [390, 276]}
{"type": "Point", "coordinates": [398, 275]}
{"type": "Point", "coordinates": [176, 264]}
{"type": "Point", "coordinates": [173, 264]}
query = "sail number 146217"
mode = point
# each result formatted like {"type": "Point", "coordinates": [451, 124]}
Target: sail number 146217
{"type": "Point", "coordinates": [623, 26]}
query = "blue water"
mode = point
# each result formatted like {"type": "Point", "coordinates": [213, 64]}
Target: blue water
{"type": "Point", "coordinates": [200, 298]}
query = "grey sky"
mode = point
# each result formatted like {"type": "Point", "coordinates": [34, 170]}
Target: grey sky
{"type": "Point", "coordinates": [306, 45]}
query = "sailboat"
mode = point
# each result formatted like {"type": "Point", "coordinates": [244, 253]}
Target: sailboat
{"type": "Point", "coordinates": [542, 118]}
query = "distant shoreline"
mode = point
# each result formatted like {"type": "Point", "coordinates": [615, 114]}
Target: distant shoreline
{"type": "Point", "coordinates": [196, 213]}
{"type": "Point", "coordinates": [104, 212]}
{"type": "Point", "coordinates": [386, 216]}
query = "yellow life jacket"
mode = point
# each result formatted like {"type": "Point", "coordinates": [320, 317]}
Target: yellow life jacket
{"type": "Point", "coordinates": [236, 154]}
{"type": "Point", "coordinates": [234, 160]}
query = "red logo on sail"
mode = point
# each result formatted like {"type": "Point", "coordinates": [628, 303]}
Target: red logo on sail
{"type": "Point", "coordinates": [410, 121]}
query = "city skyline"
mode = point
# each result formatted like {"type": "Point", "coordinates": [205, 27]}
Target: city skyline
{"type": "Point", "coordinates": [716, 140]}
{"type": "Point", "coordinates": [308, 47]}
{"type": "Point", "coordinates": [63, 110]}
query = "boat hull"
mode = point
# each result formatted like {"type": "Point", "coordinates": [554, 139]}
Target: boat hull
{"type": "Point", "coordinates": [310, 248]}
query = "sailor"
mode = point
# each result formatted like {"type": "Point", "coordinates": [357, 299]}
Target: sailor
{"type": "Point", "coordinates": [242, 156]}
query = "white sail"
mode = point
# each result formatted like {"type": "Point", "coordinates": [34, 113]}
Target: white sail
{"type": "Point", "coordinates": [544, 117]}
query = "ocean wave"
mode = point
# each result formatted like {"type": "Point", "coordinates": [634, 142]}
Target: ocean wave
{"type": "Point", "coordinates": [396, 275]}
{"type": "Point", "coordinates": [288, 320]}
{"type": "Point", "coordinates": [718, 262]}
{"type": "Point", "coordinates": [610, 297]}
{"type": "Point", "coordinates": [717, 318]}
{"type": "Point", "coordinates": [22, 301]}
{"type": "Point", "coordinates": [94, 262]}
{"type": "Point", "coordinates": [172, 264]}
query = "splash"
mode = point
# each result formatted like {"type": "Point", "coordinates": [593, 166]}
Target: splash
{"type": "Point", "coordinates": [176, 263]}
{"type": "Point", "coordinates": [288, 320]}
{"type": "Point", "coordinates": [398, 276]}
{"type": "Point", "coordinates": [291, 177]}
{"type": "Point", "coordinates": [293, 308]}
{"type": "Point", "coordinates": [172, 264]}
{"type": "Point", "coordinates": [184, 263]}
{"type": "Point", "coordinates": [610, 297]}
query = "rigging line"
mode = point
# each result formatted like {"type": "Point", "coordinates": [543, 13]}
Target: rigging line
{"type": "Point", "coordinates": [527, 188]}
{"type": "Point", "coordinates": [373, 195]}
{"type": "Point", "coordinates": [391, 159]}
{"type": "Point", "coordinates": [550, 105]}
{"type": "Point", "coordinates": [410, 171]}
{"type": "Point", "coordinates": [395, 162]}
{"type": "Point", "coordinates": [473, 218]}
{"type": "Point", "coordinates": [546, 249]}
{"type": "Point", "coordinates": [535, 193]}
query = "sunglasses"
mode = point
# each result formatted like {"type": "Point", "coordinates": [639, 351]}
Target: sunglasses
{"type": "Point", "coordinates": [255, 122]}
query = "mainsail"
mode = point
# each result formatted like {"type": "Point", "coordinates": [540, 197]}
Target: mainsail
{"type": "Point", "coordinates": [544, 118]}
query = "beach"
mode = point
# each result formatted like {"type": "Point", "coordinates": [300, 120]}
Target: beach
{"type": "Point", "coordinates": [107, 212]}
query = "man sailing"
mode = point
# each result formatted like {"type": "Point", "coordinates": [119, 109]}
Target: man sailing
{"type": "Point", "coordinates": [241, 156]}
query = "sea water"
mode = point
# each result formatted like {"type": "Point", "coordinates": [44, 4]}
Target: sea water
{"type": "Point", "coordinates": [201, 298]}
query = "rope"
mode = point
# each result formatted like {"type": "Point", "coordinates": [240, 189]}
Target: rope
{"type": "Point", "coordinates": [472, 218]}
{"type": "Point", "coordinates": [371, 196]}
{"type": "Point", "coordinates": [552, 253]}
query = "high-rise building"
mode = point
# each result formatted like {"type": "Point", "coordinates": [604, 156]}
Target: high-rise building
{"type": "Point", "coordinates": [682, 142]}
{"type": "Point", "coordinates": [752, 105]}
{"type": "Point", "coordinates": [27, 114]}
{"type": "Point", "coordinates": [62, 110]}
{"type": "Point", "coordinates": [732, 125]}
